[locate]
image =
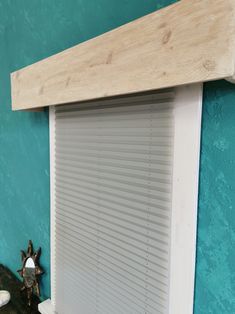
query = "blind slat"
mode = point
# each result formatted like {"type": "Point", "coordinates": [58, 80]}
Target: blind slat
{"type": "Point", "coordinates": [113, 194]}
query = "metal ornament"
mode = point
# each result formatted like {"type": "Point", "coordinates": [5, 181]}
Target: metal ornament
{"type": "Point", "coordinates": [31, 272]}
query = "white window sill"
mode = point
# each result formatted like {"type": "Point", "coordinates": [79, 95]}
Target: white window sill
{"type": "Point", "coordinates": [46, 307]}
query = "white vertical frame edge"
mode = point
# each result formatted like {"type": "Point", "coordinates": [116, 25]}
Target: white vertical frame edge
{"type": "Point", "coordinates": [47, 307]}
{"type": "Point", "coordinates": [187, 115]}
{"type": "Point", "coordinates": [188, 111]}
{"type": "Point", "coordinates": [52, 200]}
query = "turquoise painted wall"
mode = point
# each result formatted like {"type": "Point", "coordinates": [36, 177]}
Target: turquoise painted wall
{"type": "Point", "coordinates": [215, 273]}
{"type": "Point", "coordinates": [33, 29]}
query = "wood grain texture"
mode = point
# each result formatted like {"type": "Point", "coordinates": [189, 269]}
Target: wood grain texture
{"type": "Point", "coordinates": [188, 42]}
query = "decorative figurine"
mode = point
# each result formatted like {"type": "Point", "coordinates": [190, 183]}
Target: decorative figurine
{"type": "Point", "coordinates": [31, 271]}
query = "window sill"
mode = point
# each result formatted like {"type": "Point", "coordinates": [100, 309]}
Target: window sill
{"type": "Point", "coordinates": [46, 307]}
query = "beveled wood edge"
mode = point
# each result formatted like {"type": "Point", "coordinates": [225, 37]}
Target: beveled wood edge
{"type": "Point", "coordinates": [45, 83]}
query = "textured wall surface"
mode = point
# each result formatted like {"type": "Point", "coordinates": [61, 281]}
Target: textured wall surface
{"type": "Point", "coordinates": [33, 29]}
{"type": "Point", "coordinates": [24, 160]}
{"type": "Point", "coordinates": [215, 273]}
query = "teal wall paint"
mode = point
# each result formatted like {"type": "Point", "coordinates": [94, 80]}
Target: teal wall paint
{"type": "Point", "coordinates": [215, 273]}
{"type": "Point", "coordinates": [34, 29]}
{"type": "Point", "coordinates": [24, 168]}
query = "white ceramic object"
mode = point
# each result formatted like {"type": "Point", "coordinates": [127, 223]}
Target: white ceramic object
{"type": "Point", "coordinates": [4, 297]}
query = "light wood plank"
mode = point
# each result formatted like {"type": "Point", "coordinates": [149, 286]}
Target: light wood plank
{"type": "Point", "coordinates": [187, 42]}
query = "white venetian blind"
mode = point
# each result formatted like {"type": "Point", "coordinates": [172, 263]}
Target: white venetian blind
{"type": "Point", "coordinates": [113, 180]}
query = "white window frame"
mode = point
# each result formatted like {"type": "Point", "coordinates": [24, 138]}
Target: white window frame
{"type": "Point", "coordinates": [187, 115]}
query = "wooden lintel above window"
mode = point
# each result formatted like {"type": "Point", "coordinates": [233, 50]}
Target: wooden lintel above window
{"type": "Point", "coordinates": [190, 41]}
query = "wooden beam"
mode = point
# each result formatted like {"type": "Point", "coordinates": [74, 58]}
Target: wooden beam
{"type": "Point", "coordinates": [188, 42]}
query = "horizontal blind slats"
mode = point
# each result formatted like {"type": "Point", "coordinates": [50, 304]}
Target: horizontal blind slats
{"type": "Point", "coordinates": [164, 151]}
{"type": "Point", "coordinates": [83, 205]}
{"type": "Point", "coordinates": [120, 295]}
{"type": "Point", "coordinates": [128, 217]}
{"type": "Point", "coordinates": [141, 165]}
{"type": "Point", "coordinates": [134, 290]}
{"type": "Point", "coordinates": [125, 124]}
{"type": "Point", "coordinates": [113, 177]}
{"type": "Point", "coordinates": [116, 278]}
{"type": "Point", "coordinates": [112, 154]}
{"type": "Point", "coordinates": [89, 116]}
{"type": "Point", "coordinates": [87, 175]}
{"type": "Point", "coordinates": [161, 207]}
{"type": "Point", "coordinates": [156, 262]}
{"type": "Point", "coordinates": [162, 200]}
{"type": "Point", "coordinates": [107, 286]}
{"type": "Point", "coordinates": [117, 171]}
{"type": "Point", "coordinates": [87, 202]}
{"type": "Point", "coordinates": [108, 107]}
{"type": "Point", "coordinates": [156, 96]}
{"type": "Point", "coordinates": [158, 250]}
{"type": "Point", "coordinates": [119, 227]}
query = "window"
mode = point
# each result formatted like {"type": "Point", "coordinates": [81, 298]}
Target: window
{"type": "Point", "coordinates": [124, 183]}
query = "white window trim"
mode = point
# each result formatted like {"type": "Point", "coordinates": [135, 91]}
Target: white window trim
{"type": "Point", "coordinates": [188, 109]}
{"type": "Point", "coordinates": [47, 307]}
